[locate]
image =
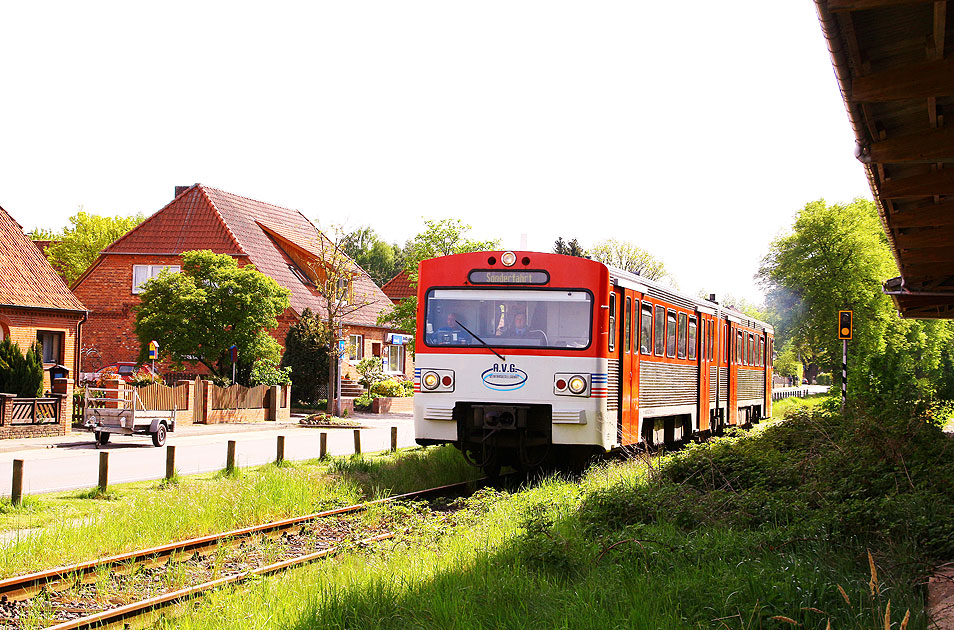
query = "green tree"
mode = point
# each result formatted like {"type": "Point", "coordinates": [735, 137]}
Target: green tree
{"type": "Point", "coordinates": [627, 256]}
{"type": "Point", "coordinates": [77, 247]}
{"type": "Point", "coordinates": [837, 257]}
{"type": "Point", "coordinates": [571, 248]}
{"type": "Point", "coordinates": [440, 238]}
{"type": "Point", "coordinates": [306, 353]}
{"type": "Point", "coordinates": [381, 260]}
{"type": "Point", "coordinates": [211, 305]}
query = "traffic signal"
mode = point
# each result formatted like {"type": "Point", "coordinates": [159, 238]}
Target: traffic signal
{"type": "Point", "coordinates": [844, 324]}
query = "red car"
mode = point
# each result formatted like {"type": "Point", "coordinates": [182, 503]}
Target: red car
{"type": "Point", "coordinates": [126, 370]}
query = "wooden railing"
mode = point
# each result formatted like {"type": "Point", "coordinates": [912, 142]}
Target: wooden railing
{"type": "Point", "coordinates": [35, 411]}
{"type": "Point", "coordinates": [239, 397]}
{"type": "Point", "coordinates": [159, 397]}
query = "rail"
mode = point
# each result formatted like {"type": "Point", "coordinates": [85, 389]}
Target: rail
{"type": "Point", "coordinates": [25, 587]}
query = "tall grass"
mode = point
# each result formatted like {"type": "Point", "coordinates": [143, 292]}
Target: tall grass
{"type": "Point", "coordinates": [142, 515]}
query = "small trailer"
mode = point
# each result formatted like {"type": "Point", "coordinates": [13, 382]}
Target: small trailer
{"type": "Point", "coordinates": [124, 414]}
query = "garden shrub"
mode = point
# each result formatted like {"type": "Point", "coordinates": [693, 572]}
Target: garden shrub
{"type": "Point", "coordinates": [266, 372]}
{"type": "Point", "coordinates": [21, 374]}
{"type": "Point", "coordinates": [371, 370]}
{"type": "Point", "coordinates": [387, 389]}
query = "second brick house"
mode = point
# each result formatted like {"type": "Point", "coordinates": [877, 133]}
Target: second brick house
{"type": "Point", "coordinates": [280, 242]}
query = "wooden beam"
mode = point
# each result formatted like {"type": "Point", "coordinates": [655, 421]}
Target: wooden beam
{"type": "Point", "coordinates": [860, 5]}
{"type": "Point", "coordinates": [932, 270]}
{"type": "Point", "coordinates": [918, 80]}
{"type": "Point", "coordinates": [928, 146]}
{"type": "Point", "coordinates": [925, 216]}
{"type": "Point", "coordinates": [925, 237]}
{"type": "Point", "coordinates": [927, 255]}
{"type": "Point", "coordinates": [936, 183]}
{"type": "Point", "coordinates": [940, 24]}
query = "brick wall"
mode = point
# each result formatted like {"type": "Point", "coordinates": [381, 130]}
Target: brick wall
{"type": "Point", "coordinates": [374, 337]}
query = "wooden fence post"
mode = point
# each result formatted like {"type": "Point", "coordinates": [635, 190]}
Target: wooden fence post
{"type": "Point", "coordinates": [16, 496]}
{"type": "Point", "coordinates": [230, 457]}
{"type": "Point", "coordinates": [280, 450]}
{"type": "Point", "coordinates": [103, 470]}
{"type": "Point", "coordinates": [357, 441]}
{"type": "Point", "coordinates": [170, 462]}
{"type": "Point", "coordinates": [323, 448]}
{"type": "Point", "coordinates": [393, 439]}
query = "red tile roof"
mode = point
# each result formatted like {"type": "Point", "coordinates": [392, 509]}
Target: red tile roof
{"type": "Point", "coordinates": [26, 278]}
{"type": "Point", "coordinates": [399, 287]}
{"type": "Point", "coordinates": [207, 218]}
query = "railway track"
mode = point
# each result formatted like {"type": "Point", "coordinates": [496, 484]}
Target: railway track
{"type": "Point", "coordinates": [212, 561]}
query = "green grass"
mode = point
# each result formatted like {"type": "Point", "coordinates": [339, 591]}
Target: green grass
{"type": "Point", "coordinates": [79, 525]}
{"type": "Point", "coordinates": [740, 532]}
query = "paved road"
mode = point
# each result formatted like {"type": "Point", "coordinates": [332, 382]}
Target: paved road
{"type": "Point", "coordinates": [73, 462]}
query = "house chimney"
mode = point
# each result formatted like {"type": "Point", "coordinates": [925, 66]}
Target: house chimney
{"type": "Point", "coordinates": [181, 189]}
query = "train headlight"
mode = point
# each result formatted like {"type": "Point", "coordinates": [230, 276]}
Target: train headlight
{"type": "Point", "coordinates": [430, 380]}
{"type": "Point", "coordinates": [508, 259]}
{"type": "Point", "coordinates": [577, 384]}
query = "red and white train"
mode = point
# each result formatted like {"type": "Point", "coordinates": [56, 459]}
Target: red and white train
{"type": "Point", "coordinates": [524, 356]}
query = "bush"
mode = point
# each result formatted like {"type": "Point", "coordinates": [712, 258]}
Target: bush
{"type": "Point", "coordinates": [371, 370]}
{"type": "Point", "coordinates": [144, 376]}
{"type": "Point", "coordinates": [388, 388]}
{"type": "Point", "coordinates": [21, 374]}
{"type": "Point", "coordinates": [363, 402]}
{"type": "Point", "coordinates": [306, 353]}
{"type": "Point", "coordinates": [266, 372]}
{"type": "Point", "coordinates": [408, 387]}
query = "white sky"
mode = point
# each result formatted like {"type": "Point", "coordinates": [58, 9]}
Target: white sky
{"type": "Point", "coordinates": [694, 129]}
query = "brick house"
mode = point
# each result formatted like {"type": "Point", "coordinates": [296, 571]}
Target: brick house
{"type": "Point", "coordinates": [35, 304]}
{"type": "Point", "coordinates": [281, 243]}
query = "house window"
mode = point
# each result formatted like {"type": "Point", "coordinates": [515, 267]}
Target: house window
{"type": "Point", "coordinates": [143, 273]}
{"type": "Point", "coordinates": [355, 347]}
{"type": "Point", "coordinates": [394, 359]}
{"type": "Point", "coordinates": [52, 343]}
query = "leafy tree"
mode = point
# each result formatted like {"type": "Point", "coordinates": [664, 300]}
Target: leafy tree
{"type": "Point", "coordinates": [573, 248]}
{"type": "Point", "coordinates": [627, 256]}
{"type": "Point", "coordinates": [211, 305]}
{"type": "Point", "coordinates": [371, 370]}
{"type": "Point", "coordinates": [21, 374]}
{"type": "Point", "coordinates": [787, 363]}
{"type": "Point", "coordinates": [381, 260]}
{"type": "Point", "coordinates": [78, 247]}
{"type": "Point", "coordinates": [440, 238]}
{"type": "Point", "coordinates": [267, 372]}
{"type": "Point", "coordinates": [836, 257]}
{"type": "Point", "coordinates": [306, 354]}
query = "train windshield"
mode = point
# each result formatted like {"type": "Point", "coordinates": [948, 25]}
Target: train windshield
{"type": "Point", "coordinates": [508, 318]}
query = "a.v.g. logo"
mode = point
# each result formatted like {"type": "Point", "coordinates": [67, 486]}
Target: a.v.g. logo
{"type": "Point", "coordinates": [504, 377]}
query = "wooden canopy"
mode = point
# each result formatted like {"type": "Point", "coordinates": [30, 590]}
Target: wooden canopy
{"type": "Point", "coordinates": [898, 87]}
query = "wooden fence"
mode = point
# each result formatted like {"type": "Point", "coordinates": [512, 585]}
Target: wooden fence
{"type": "Point", "coordinates": [159, 397]}
{"type": "Point", "coordinates": [35, 411]}
{"type": "Point", "coordinates": [239, 397]}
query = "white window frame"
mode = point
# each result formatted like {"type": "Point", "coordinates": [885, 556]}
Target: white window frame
{"type": "Point", "coordinates": [355, 348]}
{"type": "Point", "coordinates": [386, 359]}
{"type": "Point", "coordinates": [151, 271]}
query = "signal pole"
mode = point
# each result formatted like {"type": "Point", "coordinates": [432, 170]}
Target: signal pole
{"type": "Point", "coordinates": [844, 333]}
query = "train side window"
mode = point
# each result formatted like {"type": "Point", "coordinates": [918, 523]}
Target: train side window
{"type": "Point", "coordinates": [751, 349]}
{"type": "Point", "coordinates": [725, 342]}
{"type": "Point", "coordinates": [660, 324]}
{"type": "Point", "coordinates": [682, 335]}
{"type": "Point", "coordinates": [711, 326]}
{"type": "Point", "coordinates": [628, 325]}
{"type": "Point", "coordinates": [739, 347]}
{"type": "Point", "coordinates": [671, 334]}
{"type": "Point", "coordinates": [646, 329]}
{"type": "Point", "coordinates": [761, 351]}
{"type": "Point", "coordinates": [692, 337]}
{"type": "Point", "coordinates": [612, 322]}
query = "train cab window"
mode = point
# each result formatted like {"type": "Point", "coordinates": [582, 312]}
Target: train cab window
{"type": "Point", "coordinates": [628, 325]}
{"type": "Point", "coordinates": [671, 334]}
{"type": "Point", "coordinates": [660, 324]}
{"type": "Point", "coordinates": [646, 329]}
{"type": "Point", "coordinates": [692, 337]}
{"type": "Point", "coordinates": [682, 335]}
{"type": "Point", "coordinates": [612, 322]}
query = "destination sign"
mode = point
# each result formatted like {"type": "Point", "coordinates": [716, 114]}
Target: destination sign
{"type": "Point", "coordinates": [509, 276]}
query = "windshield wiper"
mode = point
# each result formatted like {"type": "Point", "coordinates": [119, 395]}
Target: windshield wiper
{"type": "Point", "coordinates": [487, 345]}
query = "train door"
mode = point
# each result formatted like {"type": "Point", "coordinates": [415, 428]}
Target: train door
{"type": "Point", "coordinates": [624, 305]}
{"type": "Point", "coordinates": [768, 363]}
{"type": "Point", "coordinates": [734, 342]}
{"type": "Point", "coordinates": [704, 362]}
{"type": "Point", "coordinates": [633, 432]}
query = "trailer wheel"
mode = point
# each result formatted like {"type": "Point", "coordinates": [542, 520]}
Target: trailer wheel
{"type": "Point", "coordinates": [101, 437]}
{"type": "Point", "coordinates": [159, 437]}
